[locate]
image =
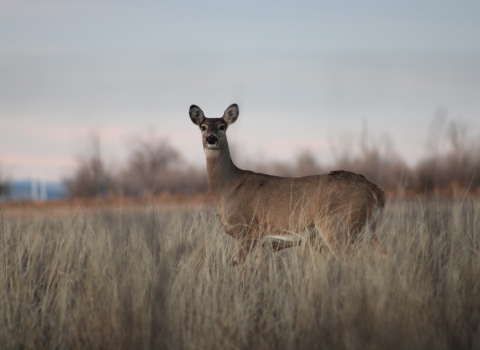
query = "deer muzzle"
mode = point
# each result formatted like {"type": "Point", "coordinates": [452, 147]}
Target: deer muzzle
{"type": "Point", "coordinates": [212, 141]}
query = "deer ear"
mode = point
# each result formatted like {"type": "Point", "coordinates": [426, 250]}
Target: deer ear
{"type": "Point", "coordinates": [196, 115]}
{"type": "Point", "coordinates": [231, 114]}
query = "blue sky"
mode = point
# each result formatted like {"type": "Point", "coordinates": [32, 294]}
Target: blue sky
{"type": "Point", "coordinates": [303, 73]}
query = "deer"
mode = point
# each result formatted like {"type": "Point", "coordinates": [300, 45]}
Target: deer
{"type": "Point", "coordinates": [285, 211]}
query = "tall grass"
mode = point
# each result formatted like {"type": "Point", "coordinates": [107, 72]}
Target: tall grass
{"type": "Point", "coordinates": [149, 277]}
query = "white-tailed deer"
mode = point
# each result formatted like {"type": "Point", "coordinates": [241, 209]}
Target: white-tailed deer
{"type": "Point", "coordinates": [254, 206]}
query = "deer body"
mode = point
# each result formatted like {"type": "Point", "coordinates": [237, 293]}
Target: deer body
{"type": "Point", "coordinates": [288, 210]}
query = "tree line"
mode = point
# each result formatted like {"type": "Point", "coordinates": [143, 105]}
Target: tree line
{"type": "Point", "coordinates": [154, 167]}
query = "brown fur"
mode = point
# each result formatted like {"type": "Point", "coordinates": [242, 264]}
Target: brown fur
{"type": "Point", "coordinates": [253, 206]}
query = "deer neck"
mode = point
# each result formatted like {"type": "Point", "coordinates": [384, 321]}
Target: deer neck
{"type": "Point", "coordinates": [220, 170]}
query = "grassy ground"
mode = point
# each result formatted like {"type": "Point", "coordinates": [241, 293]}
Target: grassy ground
{"type": "Point", "coordinates": [152, 277]}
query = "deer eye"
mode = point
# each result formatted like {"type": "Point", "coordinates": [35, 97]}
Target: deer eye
{"type": "Point", "coordinates": [222, 127]}
{"type": "Point", "coordinates": [203, 128]}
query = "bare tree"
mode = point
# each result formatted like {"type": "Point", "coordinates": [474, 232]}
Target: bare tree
{"type": "Point", "coordinates": [307, 164]}
{"type": "Point", "coordinates": [150, 167]}
{"type": "Point", "coordinates": [374, 158]}
{"type": "Point", "coordinates": [91, 178]}
{"type": "Point", "coordinates": [458, 167]}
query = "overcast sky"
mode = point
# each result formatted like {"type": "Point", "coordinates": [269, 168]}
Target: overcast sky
{"type": "Point", "coordinates": [302, 72]}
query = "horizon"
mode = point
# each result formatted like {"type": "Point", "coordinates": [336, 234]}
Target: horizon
{"type": "Point", "coordinates": [302, 74]}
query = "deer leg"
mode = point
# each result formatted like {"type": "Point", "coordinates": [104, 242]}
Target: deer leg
{"type": "Point", "coordinates": [378, 246]}
{"type": "Point", "coordinates": [373, 240]}
{"type": "Point", "coordinates": [315, 240]}
{"type": "Point", "coordinates": [245, 246]}
{"type": "Point", "coordinates": [318, 245]}
{"type": "Point", "coordinates": [334, 238]}
{"type": "Point", "coordinates": [279, 242]}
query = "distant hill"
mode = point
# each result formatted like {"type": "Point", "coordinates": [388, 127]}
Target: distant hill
{"type": "Point", "coordinates": [29, 189]}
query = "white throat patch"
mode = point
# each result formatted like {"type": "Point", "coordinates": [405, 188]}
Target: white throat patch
{"type": "Point", "coordinates": [211, 152]}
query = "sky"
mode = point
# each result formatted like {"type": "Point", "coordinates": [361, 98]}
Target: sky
{"type": "Point", "coordinates": [304, 73]}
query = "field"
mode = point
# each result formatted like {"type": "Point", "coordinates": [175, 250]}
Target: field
{"type": "Point", "coordinates": [145, 276]}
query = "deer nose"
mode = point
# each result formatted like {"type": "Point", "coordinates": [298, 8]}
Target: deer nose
{"type": "Point", "coordinates": [212, 139]}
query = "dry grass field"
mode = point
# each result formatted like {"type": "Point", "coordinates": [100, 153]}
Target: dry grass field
{"type": "Point", "coordinates": [146, 276]}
